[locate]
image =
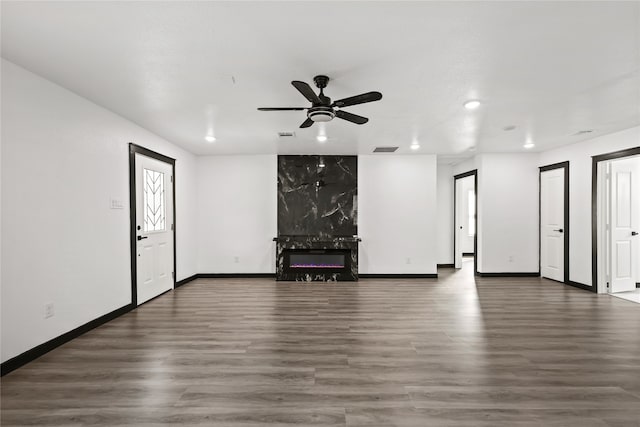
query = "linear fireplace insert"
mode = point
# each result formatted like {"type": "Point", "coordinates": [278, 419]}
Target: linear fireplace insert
{"type": "Point", "coordinates": [317, 258]}
{"type": "Point", "coordinates": [311, 261]}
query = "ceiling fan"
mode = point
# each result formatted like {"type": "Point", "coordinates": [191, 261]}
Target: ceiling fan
{"type": "Point", "coordinates": [322, 109]}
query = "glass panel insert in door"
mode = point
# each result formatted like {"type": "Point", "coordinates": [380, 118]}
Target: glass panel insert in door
{"type": "Point", "coordinates": [153, 201]}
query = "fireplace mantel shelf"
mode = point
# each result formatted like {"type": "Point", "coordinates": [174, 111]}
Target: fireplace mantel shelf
{"type": "Point", "coordinates": [317, 239]}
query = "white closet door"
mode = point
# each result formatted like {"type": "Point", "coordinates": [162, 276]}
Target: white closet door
{"type": "Point", "coordinates": [552, 224]}
{"type": "Point", "coordinates": [625, 221]}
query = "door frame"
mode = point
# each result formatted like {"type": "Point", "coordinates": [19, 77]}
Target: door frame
{"type": "Point", "coordinates": [595, 182]}
{"type": "Point", "coordinates": [473, 173]}
{"type": "Point", "coordinates": [133, 150]}
{"type": "Point", "coordinates": [565, 166]}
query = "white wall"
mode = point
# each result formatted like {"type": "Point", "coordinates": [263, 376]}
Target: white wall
{"type": "Point", "coordinates": [63, 157]}
{"type": "Point", "coordinates": [580, 164]}
{"type": "Point", "coordinates": [397, 214]}
{"type": "Point", "coordinates": [466, 166]}
{"type": "Point", "coordinates": [508, 213]}
{"type": "Point", "coordinates": [444, 205]}
{"type": "Point", "coordinates": [237, 213]}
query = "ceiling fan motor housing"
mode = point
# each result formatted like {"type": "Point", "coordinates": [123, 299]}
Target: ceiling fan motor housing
{"type": "Point", "coordinates": [321, 114]}
{"type": "Point", "coordinates": [321, 81]}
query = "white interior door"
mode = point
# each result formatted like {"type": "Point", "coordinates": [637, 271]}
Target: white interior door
{"type": "Point", "coordinates": [154, 225]}
{"type": "Point", "coordinates": [552, 224]}
{"type": "Point", "coordinates": [468, 216]}
{"type": "Point", "coordinates": [458, 221]}
{"type": "Point", "coordinates": [625, 224]}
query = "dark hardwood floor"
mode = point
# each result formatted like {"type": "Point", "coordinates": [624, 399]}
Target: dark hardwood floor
{"type": "Point", "coordinates": [455, 351]}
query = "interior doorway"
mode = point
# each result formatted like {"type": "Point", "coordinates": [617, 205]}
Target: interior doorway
{"type": "Point", "coordinates": [152, 195]}
{"type": "Point", "coordinates": [554, 221]}
{"type": "Point", "coordinates": [616, 223]}
{"type": "Point", "coordinates": [465, 224]}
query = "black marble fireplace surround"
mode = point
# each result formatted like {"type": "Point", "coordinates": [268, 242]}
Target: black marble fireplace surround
{"type": "Point", "coordinates": [317, 218]}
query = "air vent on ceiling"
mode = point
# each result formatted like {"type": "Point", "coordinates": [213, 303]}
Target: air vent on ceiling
{"type": "Point", "coordinates": [286, 134]}
{"type": "Point", "coordinates": [385, 149]}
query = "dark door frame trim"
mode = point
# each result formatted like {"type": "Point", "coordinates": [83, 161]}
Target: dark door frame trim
{"type": "Point", "coordinates": [133, 149]}
{"type": "Point", "coordinates": [565, 166]}
{"type": "Point", "coordinates": [473, 173]}
{"type": "Point", "coordinates": [628, 152]}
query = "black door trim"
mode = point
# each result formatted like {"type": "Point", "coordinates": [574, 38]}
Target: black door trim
{"type": "Point", "coordinates": [628, 152]}
{"type": "Point", "coordinates": [473, 173]}
{"type": "Point", "coordinates": [133, 149]}
{"type": "Point", "coordinates": [565, 166]}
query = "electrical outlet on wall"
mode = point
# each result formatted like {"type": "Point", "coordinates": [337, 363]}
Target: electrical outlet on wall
{"type": "Point", "coordinates": [236, 259]}
{"type": "Point", "coordinates": [510, 258]}
{"type": "Point", "coordinates": [408, 260]}
{"type": "Point", "coordinates": [48, 310]}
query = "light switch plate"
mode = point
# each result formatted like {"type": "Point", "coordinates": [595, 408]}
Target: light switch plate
{"type": "Point", "coordinates": [116, 204]}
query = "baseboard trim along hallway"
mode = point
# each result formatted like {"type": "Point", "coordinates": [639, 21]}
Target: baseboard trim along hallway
{"type": "Point", "coordinates": [40, 350]}
{"type": "Point", "coordinates": [515, 274]}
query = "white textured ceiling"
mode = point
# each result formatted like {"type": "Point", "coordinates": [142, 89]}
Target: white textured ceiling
{"type": "Point", "coordinates": [178, 68]}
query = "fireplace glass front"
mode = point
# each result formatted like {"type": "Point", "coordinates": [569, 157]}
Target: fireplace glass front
{"type": "Point", "coordinates": [308, 260]}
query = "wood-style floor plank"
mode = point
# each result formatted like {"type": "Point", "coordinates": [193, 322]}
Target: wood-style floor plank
{"type": "Point", "coordinates": [456, 351]}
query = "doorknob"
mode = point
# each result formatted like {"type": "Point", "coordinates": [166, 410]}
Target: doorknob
{"type": "Point", "coordinates": [142, 237]}
{"type": "Point", "coordinates": [634, 233]}
{"type": "Point", "coordinates": [560, 230]}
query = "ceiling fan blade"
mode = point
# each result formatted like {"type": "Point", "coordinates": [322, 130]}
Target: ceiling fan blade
{"type": "Point", "coordinates": [306, 91]}
{"type": "Point", "coordinates": [306, 123]}
{"type": "Point", "coordinates": [281, 109]}
{"type": "Point", "coordinates": [358, 99]}
{"type": "Point", "coordinates": [353, 118]}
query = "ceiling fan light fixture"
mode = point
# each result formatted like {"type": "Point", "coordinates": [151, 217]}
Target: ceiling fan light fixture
{"type": "Point", "coordinates": [472, 104]}
{"type": "Point", "coordinates": [321, 114]}
{"type": "Point", "coordinates": [322, 138]}
{"type": "Point", "coordinates": [529, 145]}
{"type": "Point", "coordinates": [415, 145]}
{"type": "Point", "coordinates": [210, 138]}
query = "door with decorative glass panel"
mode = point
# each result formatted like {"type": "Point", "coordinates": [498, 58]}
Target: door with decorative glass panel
{"type": "Point", "coordinates": [154, 226]}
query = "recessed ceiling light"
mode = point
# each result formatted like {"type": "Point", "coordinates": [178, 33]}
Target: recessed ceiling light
{"type": "Point", "coordinates": [529, 145]}
{"type": "Point", "coordinates": [472, 104]}
{"type": "Point", "coordinates": [321, 138]}
{"type": "Point", "coordinates": [210, 138]}
{"type": "Point", "coordinates": [415, 146]}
